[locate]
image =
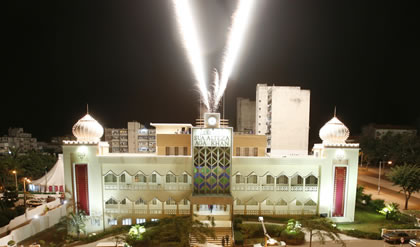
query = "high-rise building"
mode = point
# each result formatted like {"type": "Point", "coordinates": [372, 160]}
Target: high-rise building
{"type": "Point", "coordinates": [18, 139]}
{"type": "Point", "coordinates": [245, 115]}
{"type": "Point", "coordinates": [282, 113]}
{"type": "Point", "coordinates": [135, 139]}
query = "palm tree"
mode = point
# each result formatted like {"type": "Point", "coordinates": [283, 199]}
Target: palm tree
{"type": "Point", "coordinates": [322, 227]}
{"type": "Point", "coordinates": [74, 223]}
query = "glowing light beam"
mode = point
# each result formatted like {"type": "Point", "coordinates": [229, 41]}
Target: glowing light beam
{"type": "Point", "coordinates": [240, 21]}
{"type": "Point", "coordinates": [191, 45]}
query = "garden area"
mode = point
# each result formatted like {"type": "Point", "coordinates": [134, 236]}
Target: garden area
{"type": "Point", "coordinates": [373, 215]}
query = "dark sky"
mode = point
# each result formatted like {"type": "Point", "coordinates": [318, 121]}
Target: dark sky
{"type": "Point", "coordinates": [125, 59]}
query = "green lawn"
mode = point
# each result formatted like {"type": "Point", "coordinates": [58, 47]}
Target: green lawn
{"type": "Point", "coordinates": [368, 221]}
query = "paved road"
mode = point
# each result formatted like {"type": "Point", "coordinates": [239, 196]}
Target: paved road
{"type": "Point", "coordinates": [389, 193]}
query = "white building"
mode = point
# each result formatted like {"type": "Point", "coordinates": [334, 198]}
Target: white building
{"type": "Point", "coordinates": [282, 113]}
{"type": "Point", "coordinates": [209, 179]}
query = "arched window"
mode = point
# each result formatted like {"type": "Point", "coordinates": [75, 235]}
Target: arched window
{"type": "Point", "coordinates": [154, 201]}
{"type": "Point", "coordinates": [122, 178]}
{"type": "Point", "coordinates": [140, 178]}
{"type": "Point", "coordinates": [297, 180]}
{"type": "Point", "coordinates": [239, 179]}
{"type": "Point", "coordinates": [269, 179]}
{"type": "Point", "coordinates": [184, 202]}
{"type": "Point", "coordinates": [170, 201]}
{"type": "Point", "coordinates": [298, 203]}
{"type": "Point", "coordinates": [140, 201]}
{"type": "Point", "coordinates": [282, 180]}
{"type": "Point", "coordinates": [311, 181]}
{"type": "Point", "coordinates": [124, 201]}
{"type": "Point", "coordinates": [111, 202]}
{"type": "Point", "coordinates": [183, 178]}
{"type": "Point", "coordinates": [170, 178]}
{"type": "Point", "coordinates": [281, 203]}
{"type": "Point", "coordinates": [252, 179]}
{"type": "Point", "coordinates": [110, 178]}
{"type": "Point", "coordinates": [153, 178]}
{"type": "Point", "coordinates": [310, 203]}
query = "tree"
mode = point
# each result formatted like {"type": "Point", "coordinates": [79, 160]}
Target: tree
{"type": "Point", "coordinates": [321, 228]}
{"type": "Point", "coordinates": [407, 177]}
{"type": "Point", "coordinates": [174, 231]}
{"type": "Point", "coordinates": [74, 223]}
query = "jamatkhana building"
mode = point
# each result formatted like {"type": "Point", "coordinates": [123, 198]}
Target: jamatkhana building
{"type": "Point", "coordinates": [208, 171]}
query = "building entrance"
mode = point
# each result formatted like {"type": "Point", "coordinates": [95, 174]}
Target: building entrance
{"type": "Point", "coordinates": [212, 209]}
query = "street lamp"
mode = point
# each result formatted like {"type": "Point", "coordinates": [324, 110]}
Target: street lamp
{"type": "Point", "coordinates": [24, 190]}
{"type": "Point", "coordinates": [379, 179]}
{"type": "Point", "coordinates": [14, 172]}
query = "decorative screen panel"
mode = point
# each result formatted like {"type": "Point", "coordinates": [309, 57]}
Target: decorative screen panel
{"type": "Point", "coordinates": [212, 168]}
{"type": "Point", "coordinates": [339, 191]}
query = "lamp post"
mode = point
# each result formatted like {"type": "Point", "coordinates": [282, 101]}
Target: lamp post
{"type": "Point", "coordinates": [14, 172]}
{"type": "Point", "coordinates": [24, 191]}
{"type": "Point", "coordinates": [379, 176]}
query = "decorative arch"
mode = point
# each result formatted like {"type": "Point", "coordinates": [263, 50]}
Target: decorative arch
{"type": "Point", "coordinates": [110, 177]}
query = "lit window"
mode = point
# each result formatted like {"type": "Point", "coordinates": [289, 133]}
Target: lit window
{"type": "Point", "coordinates": [126, 222]}
{"type": "Point", "coordinates": [140, 220]}
{"type": "Point", "coordinates": [155, 220]}
{"type": "Point", "coordinates": [112, 222]}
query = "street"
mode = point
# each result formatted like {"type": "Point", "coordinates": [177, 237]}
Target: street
{"type": "Point", "coordinates": [389, 193]}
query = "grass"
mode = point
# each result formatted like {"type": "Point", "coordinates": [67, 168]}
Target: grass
{"type": "Point", "coordinates": [369, 221]}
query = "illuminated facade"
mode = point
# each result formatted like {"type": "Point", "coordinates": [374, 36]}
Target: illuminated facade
{"type": "Point", "coordinates": [208, 171]}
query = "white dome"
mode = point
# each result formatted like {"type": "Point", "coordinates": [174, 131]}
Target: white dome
{"type": "Point", "coordinates": [87, 129]}
{"type": "Point", "coordinates": [334, 132]}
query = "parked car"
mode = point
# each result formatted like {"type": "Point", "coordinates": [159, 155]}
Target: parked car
{"type": "Point", "coordinates": [34, 202]}
{"type": "Point", "coordinates": [415, 242]}
{"type": "Point", "coordinates": [396, 237]}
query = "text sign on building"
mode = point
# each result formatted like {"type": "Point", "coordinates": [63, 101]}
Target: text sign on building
{"type": "Point", "coordinates": [211, 137]}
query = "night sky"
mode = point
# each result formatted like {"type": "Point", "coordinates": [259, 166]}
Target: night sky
{"type": "Point", "coordinates": [125, 59]}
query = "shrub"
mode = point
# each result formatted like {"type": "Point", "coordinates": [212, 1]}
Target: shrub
{"type": "Point", "coordinates": [293, 238]}
{"type": "Point", "coordinates": [361, 234]}
{"type": "Point", "coordinates": [377, 205]}
{"type": "Point", "coordinates": [20, 210]}
{"type": "Point", "coordinates": [237, 221]}
{"type": "Point", "coordinates": [274, 230]}
{"type": "Point", "coordinates": [3, 220]}
{"type": "Point", "coordinates": [10, 213]}
{"type": "Point", "coordinates": [239, 238]}
{"type": "Point", "coordinates": [252, 230]}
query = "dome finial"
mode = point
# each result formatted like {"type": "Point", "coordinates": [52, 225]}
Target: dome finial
{"type": "Point", "coordinates": [334, 131]}
{"type": "Point", "coordinates": [87, 129]}
{"type": "Point", "coordinates": [87, 109]}
{"type": "Point", "coordinates": [335, 111]}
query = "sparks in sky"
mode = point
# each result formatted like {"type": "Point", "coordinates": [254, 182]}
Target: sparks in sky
{"type": "Point", "coordinates": [191, 44]}
{"type": "Point", "coordinates": [240, 21]}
